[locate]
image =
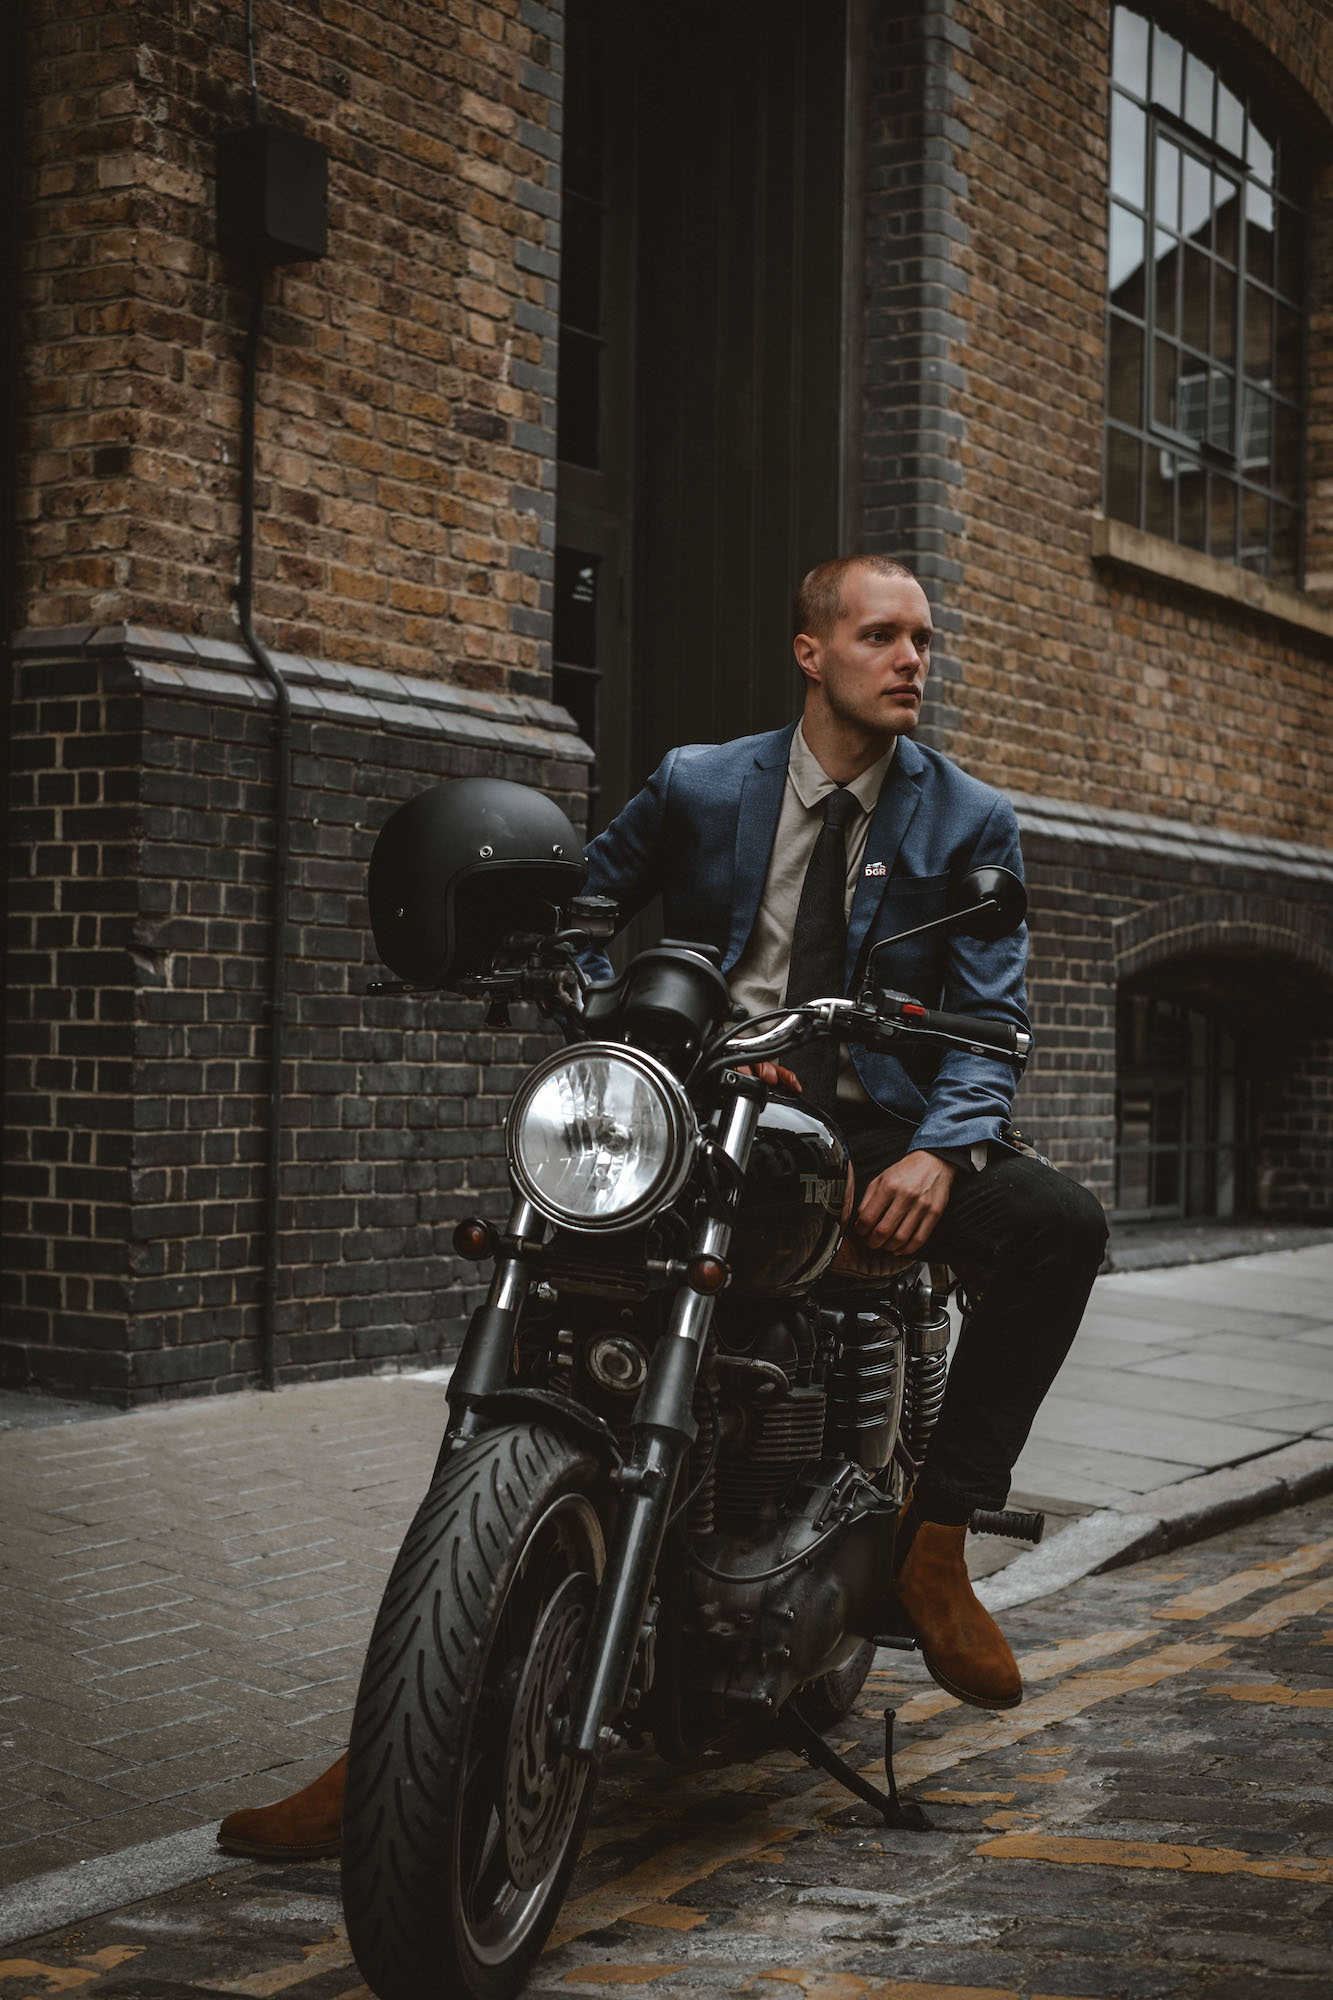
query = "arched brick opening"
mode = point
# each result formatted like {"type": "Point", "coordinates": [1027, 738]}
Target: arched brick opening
{"type": "Point", "coordinates": [1260, 971]}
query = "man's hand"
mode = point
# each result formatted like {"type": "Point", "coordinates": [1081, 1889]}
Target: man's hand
{"type": "Point", "coordinates": [901, 1206]}
{"type": "Point", "coordinates": [771, 1073]}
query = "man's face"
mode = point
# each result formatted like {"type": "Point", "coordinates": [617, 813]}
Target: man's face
{"type": "Point", "coordinates": [873, 665]}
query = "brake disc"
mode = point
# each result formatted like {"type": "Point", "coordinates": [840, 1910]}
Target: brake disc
{"type": "Point", "coordinates": [542, 1785]}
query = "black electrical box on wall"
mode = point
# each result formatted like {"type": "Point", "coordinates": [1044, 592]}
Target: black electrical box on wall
{"type": "Point", "coordinates": [273, 194]}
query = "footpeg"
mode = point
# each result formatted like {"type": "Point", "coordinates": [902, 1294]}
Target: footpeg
{"type": "Point", "coordinates": [1009, 1522]}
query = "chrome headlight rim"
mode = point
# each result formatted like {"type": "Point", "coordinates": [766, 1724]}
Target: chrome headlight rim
{"type": "Point", "coordinates": [682, 1127]}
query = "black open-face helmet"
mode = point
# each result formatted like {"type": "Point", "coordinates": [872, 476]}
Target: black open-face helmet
{"type": "Point", "coordinates": [457, 868]}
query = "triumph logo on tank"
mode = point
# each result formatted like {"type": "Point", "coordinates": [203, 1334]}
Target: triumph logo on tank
{"type": "Point", "coordinates": [821, 1193]}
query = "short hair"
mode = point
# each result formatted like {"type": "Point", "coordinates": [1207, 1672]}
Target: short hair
{"type": "Point", "coordinates": [819, 604]}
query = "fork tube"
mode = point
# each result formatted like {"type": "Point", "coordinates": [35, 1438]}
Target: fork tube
{"type": "Point", "coordinates": [483, 1361]}
{"type": "Point", "coordinates": [664, 1429]}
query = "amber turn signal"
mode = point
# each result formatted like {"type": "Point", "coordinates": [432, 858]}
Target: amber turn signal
{"type": "Point", "coordinates": [708, 1274]}
{"type": "Point", "coordinates": [474, 1239]}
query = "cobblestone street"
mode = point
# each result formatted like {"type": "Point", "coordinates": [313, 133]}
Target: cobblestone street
{"type": "Point", "coordinates": [1153, 1821]}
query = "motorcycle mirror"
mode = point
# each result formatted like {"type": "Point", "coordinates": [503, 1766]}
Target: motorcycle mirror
{"type": "Point", "coordinates": [988, 903]}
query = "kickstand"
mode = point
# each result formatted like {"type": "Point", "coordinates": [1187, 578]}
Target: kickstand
{"type": "Point", "coordinates": [798, 1735]}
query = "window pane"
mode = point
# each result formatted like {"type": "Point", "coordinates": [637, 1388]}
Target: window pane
{"type": "Point", "coordinates": [1165, 362]}
{"type": "Point", "coordinates": [1258, 233]}
{"type": "Point", "coordinates": [1285, 544]}
{"type": "Point", "coordinates": [1129, 141]}
{"type": "Point", "coordinates": [1259, 155]}
{"type": "Point", "coordinates": [1221, 408]}
{"type": "Point", "coordinates": [1254, 530]}
{"type": "Point", "coordinates": [1224, 313]}
{"type": "Point", "coordinates": [1197, 199]}
{"type": "Point", "coordinates": [1230, 120]}
{"type": "Point", "coordinates": [1290, 350]}
{"type": "Point", "coordinates": [1256, 449]}
{"type": "Point", "coordinates": [581, 265]}
{"type": "Point", "coordinates": [1126, 249]}
{"type": "Point", "coordinates": [574, 633]}
{"type": "Point", "coordinates": [1195, 270]}
{"type": "Point", "coordinates": [1222, 518]}
{"type": "Point", "coordinates": [1287, 450]}
{"type": "Point", "coordinates": [1258, 334]}
{"type": "Point", "coordinates": [1199, 96]}
{"type": "Point", "coordinates": [1166, 70]}
{"type": "Point", "coordinates": [577, 390]}
{"type": "Point", "coordinates": [1191, 491]}
{"type": "Point", "coordinates": [1291, 252]}
{"type": "Point", "coordinates": [1167, 279]}
{"type": "Point", "coordinates": [1160, 493]}
{"type": "Point", "coordinates": [1123, 456]}
{"type": "Point", "coordinates": [1226, 217]}
{"type": "Point", "coordinates": [1125, 371]}
{"type": "Point", "coordinates": [1129, 53]}
{"type": "Point", "coordinates": [1166, 194]}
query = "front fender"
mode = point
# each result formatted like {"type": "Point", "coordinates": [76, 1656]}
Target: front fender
{"type": "Point", "coordinates": [505, 1406]}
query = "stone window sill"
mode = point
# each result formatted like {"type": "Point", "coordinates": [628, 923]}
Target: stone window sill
{"type": "Point", "coordinates": [1119, 546]}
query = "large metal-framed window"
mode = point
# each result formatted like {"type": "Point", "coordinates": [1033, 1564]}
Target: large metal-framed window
{"type": "Point", "coordinates": [1206, 309]}
{"type": "Point", "coordinates": [1183, 1117]}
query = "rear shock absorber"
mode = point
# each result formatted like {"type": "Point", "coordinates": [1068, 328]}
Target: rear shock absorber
{"type": "Point", "coordinates": [926, 1324]}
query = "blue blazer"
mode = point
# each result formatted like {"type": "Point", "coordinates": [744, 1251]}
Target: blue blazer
{"type": "Point", "coordinates": [700, 834]}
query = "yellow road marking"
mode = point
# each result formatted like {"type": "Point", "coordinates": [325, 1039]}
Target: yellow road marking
{"type": "Point", "coordinates": [63, 1978]}
{"type": "Point", "coordinates": [850, 1986]}
{"type": "Point", "coordinates": [1280, 1697]}
{"type": "Point", "coordinates": [966, 1798]}
{"type": "Point", "coordinates": [667, 1916]}
{"type": "Point", "coordinates": [329, 1955]}
{"type": "Point", "coordinates": [621, 1975]}
{"type": "Point", "coordinates": [1154, 1854]}
{"type": "Point", "coordinates": [1295, 1604]}
{"type": "Point", "coordinates": [1072, 1697]}
{"type": "Point", "coordinates": [1003, 1819]}
{"type": "Point", "coordinates": [677, 1867]}
{"type": "Point", "coordinates": [666, 1873]}
{"type": "Point", "coordinates": [1244, 1583]}
{"type": "Point", "coordinates": [1041, 1777]}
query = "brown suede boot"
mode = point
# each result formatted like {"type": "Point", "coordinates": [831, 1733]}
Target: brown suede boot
{"type": "Point", "coordinates": [962, 1646]}
{"type": "Point", "coordinates": [305, 1827]}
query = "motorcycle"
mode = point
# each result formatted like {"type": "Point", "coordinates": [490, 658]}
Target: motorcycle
{"type": "Point", "coordinates": [678, 1440]}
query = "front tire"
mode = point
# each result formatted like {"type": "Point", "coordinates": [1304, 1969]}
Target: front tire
{"type": "Point", "coordinates": [463, 1820]}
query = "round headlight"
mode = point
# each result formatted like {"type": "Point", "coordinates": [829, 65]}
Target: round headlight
{"type": "Point", "coordinates": [601, 1137]}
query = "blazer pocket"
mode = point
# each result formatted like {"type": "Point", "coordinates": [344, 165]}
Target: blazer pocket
{"type": "Point", "coordinates": [901, 888]}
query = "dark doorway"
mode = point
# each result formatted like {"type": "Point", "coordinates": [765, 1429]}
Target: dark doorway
{"type": "Point", "coordinates": [705, 379]}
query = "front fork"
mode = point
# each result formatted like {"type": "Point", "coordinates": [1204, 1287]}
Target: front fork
{"type": "Point", "coordinates": [663, 1424]}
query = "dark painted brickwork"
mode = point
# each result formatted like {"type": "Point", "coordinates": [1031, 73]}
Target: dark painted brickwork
{"type": "Point", "coordinates": [1099, 914]}
{"type": "Point", "coordinates": [137, 1078]}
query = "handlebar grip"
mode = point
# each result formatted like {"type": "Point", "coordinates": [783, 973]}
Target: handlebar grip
{"type": "Point", "coordinates": [989, 1034]}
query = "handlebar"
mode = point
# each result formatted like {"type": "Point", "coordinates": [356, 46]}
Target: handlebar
{"type": "Point", "coordinates": [891, 1018]}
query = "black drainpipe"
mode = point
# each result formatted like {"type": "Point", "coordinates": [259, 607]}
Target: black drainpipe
{"type": "Point", "coordinates": [273, 209]}
{"type": "Point", "coordinates": [282, 761]}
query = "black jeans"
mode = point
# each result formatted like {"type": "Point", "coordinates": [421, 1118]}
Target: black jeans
{"type": "Point", "coordinates": [1027, 1243]}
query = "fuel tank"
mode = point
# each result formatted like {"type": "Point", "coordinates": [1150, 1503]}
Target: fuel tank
{"type": "Point", "coordinates": [790, 1216]}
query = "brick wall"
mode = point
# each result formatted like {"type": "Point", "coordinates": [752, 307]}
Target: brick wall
{"type": "Point", "coordinates": [406, 426]}
{"type": "Point", "coordinates": [137, 1082]}
{"type": "Point", "coordinates": [1116, 900]}
{"type": "Point", "coordinates": [985, 304]}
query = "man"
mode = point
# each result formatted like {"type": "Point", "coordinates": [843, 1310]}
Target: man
{"type": "Point", "coordinates": [794, 852]}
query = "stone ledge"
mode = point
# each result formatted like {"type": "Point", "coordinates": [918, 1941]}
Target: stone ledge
{"type": "Point", "coordinates": [1118, 545]}
{"type": "Point", "coordinates": [172, 663]}
{"type": "Point", "coordinates": [1179, 840]}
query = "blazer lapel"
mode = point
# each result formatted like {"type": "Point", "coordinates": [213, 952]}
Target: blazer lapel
{"type": "Point", "coordinates": [899, 798]}
{"type": "Point", "coordinates": [756, 824]}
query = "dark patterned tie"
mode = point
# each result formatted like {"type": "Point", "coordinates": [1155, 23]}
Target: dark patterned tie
{"type": "Point", "coordinates": [819, 943]}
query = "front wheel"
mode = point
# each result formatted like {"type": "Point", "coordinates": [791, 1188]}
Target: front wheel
{"type": "Point", "coordinates": [463, 1818]}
